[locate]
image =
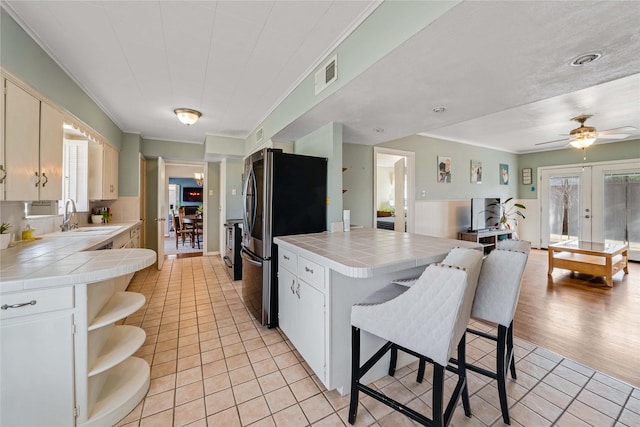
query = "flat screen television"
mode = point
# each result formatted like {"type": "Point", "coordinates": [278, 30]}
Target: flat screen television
{"type": "Point", "coordinates": [484, 213]}
{"type": "Point", "coordinates": [192, 194]}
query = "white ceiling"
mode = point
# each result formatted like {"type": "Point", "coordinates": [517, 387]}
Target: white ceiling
{"type": "Point", "coordinates": [501, 68]}
{"type": "Point", "coordinates": [232, 60]}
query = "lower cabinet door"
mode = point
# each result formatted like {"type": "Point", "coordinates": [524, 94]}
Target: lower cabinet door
{"type": "Point", "coordinates": [312, 335]}
{"type": "Point", "coordinates": [36, 367]}
{"type": "Point", "coordinates": [288, 304]}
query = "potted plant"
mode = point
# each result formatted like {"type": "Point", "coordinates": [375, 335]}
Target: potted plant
{"type": "Point", "coordinates": [508, 213]}
{"type": "Point", "coordinates": [4, 236]}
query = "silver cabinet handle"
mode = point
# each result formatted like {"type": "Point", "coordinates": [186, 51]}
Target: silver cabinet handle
{"type": "Point", "coordinates": [285, 257]}
{"type": "Point", "coordinates": [293, 282]}
{"type": "Point", "coordinates": [45, 179]}
{"type": "Point", "coordinates": [7, 306]}
{"type": "Point", "coordinates": [298, 291]}
{"type": "Point", "coordinates": [308, 270]}
{"type": "Point", "coordinates": [4, 174]}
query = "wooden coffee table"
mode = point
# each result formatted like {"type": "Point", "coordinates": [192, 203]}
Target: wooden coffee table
{"type": "Point", "coordinates": [598, 259]}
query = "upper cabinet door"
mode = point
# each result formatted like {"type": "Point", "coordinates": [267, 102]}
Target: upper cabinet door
{"type": "Point", "coordinates": [51, 141]}
{"type": "Point", "coordinates": [3, 164]}
{"type": "Point", "coordinates": [22, 136]}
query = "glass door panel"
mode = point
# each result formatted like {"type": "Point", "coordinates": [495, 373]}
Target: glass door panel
{"type": "Point", "coordinates": [616, 201]}
{"type": "Point", "coordinates": [565, 205]}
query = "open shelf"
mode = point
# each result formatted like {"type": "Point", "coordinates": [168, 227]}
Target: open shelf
{"type": "Point", "coordinates": [119, 306]}
{"type": "Point", "coordinates": [123, 389]}
{"type": "Point", "coordinates": [488, 239]}
{"type": "Point", "coordinates": [122, 343]}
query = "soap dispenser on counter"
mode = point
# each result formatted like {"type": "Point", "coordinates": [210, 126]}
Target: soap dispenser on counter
{"type": "Point", "coordinates": [27, 231]}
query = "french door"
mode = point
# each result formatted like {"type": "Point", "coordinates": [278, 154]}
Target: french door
{"type": "Point", "coordinates": [598, 202]}
{"type": "Point", "coordinates": [565, 203]}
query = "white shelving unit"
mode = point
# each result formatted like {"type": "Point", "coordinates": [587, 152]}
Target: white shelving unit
{"type": "Point", "coordinates": [488, 239]}
{"type": "Point", "coordinates": [110, 382]}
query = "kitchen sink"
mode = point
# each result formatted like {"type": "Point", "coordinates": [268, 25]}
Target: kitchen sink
{"type": "Point", "coordinates": [91, 230]}
{"type": "Point", "coordinates": [96, 228]}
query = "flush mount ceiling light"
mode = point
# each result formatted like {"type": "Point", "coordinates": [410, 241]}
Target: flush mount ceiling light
{"type": "Point", "coordinates": [585, 59]}
{"type": "Point", "coordinates": [439, 109]}
{"type": "Point", "coordinates": [187, 115]}
{"type": "Point", "coordinates": [199, 177]}
{"type": "Point", "coordinates": [583, 136]}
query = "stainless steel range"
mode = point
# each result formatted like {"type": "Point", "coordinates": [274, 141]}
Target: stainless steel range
{"type": "Point", "coordinates": [232, 260]}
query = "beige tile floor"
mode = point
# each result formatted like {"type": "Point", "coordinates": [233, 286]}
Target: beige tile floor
{"type": "Point", "coordinates": [211, 365]}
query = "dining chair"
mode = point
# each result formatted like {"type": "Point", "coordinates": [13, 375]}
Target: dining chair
{"type": "Point", "coordinates": [182, 229]}
{"type": "Point", "coordinates": [427, 320]}
{"type": "Point", "coordinates": [495, 302]}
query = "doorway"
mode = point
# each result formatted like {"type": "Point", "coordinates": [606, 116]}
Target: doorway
{"type": "Point", "coordinates": [596, 202]}
{"type": "Point", "coordinates": [393, 197]}
{"type": "Point", "coordinates": [185, 190]}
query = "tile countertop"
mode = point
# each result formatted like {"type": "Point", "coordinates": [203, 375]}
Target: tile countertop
{"type": "Point", "coordinates": [367, 252]}
{"type": "Point", "coordinates": [57, 260]}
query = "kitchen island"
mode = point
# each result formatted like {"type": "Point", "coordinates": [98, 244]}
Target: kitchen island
{"type": "Point", "coordinates": [64, 361]}
{"type": "Point", "coordinates": [321, 275]}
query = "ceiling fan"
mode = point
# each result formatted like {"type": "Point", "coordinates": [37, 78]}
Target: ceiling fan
{"type": "Point", "coordinates": [584, 136]}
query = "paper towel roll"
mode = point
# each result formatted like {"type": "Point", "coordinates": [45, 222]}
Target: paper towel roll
{"type": "Point", "coordinates": [346, 219]}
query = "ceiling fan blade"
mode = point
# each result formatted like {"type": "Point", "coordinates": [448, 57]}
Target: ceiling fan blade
{"type": "Point", "coordinates": [617, 130]}
{"type": "Point", "coordinates": [614, 136]}
{"type": "Point", "coordinates": [551, 142]}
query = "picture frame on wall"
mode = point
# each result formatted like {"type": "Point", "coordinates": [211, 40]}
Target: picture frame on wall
{"type": "Point", "coordinates": [526, 176]}
{"type": "Point", "coordinates": [504, 174]}
{"type": "Point", "coordinates": [476, 172]}
{"type": "Point", "coordinates": [444, 169]}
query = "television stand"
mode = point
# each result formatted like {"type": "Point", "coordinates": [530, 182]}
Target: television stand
{"type": "Point", "coordinates": [487, 238]}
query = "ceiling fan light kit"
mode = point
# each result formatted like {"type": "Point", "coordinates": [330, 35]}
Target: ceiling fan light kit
{"type": "Point", "coordinates": [583, 136]}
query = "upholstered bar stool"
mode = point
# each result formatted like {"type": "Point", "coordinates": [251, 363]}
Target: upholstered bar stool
{"type": "Point", "coordinates": [427, 320]}
{"type": "Point", "coordinates": [495, 302]}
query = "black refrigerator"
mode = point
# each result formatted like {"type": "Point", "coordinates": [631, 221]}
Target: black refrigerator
{"type": "Point", "coordinates": [283, 194]}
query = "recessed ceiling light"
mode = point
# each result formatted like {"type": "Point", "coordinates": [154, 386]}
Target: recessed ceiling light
{"type": "Point", "coordinates": [585, 59]}
{"type": "Point", "coordinates": [379, 130]}
{"type": "Point", "coordinates": [439, 109]}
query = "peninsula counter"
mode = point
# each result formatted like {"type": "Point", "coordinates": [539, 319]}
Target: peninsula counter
{"type": "Point", "coordinates": [321, 275]}
{"type": "Point", "coordinates": [64, 361]}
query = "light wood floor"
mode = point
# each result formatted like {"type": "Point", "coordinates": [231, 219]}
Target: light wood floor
{"type": "Point", "coordinates": [579, 317]}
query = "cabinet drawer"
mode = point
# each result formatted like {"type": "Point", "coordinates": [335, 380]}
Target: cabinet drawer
{"type": "Point", "coordinates": [45, 301]}
{"type": "Point", "coordinates": [311, 272]}
{"type": "Point", "coordinates": [287, 259]}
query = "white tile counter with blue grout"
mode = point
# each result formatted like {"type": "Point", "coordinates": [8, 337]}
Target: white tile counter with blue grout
{"type": "Point", "coordinates": [321, 275]}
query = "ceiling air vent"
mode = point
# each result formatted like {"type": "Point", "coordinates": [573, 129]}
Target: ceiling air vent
{"type": "Point", "coordinates": [327, 74]}
{"type": "Point", "coordinates": [259, 134]}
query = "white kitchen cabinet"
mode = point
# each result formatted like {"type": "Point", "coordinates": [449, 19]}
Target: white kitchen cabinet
{"type": "Point", "coordinates": [65, 362]}
{"type": "Point", "coordinates": [37, 386]}
{"type": "Point", "coordinates": [103, 171]}
{"type": "Point", "coordinates": [3, 170]}
{"type": "Point", "coordinates": [33, 147]}
{"type": "Point", "coordinates": [301, 308]}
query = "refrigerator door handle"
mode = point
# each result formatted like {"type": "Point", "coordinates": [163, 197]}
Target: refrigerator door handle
{"type": "Point", "coordinates": [250, 205]}
{"type": "Point", "coordinates": [251, 260]}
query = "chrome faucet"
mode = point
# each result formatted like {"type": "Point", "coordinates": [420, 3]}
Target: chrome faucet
{"type": "Point", "coordinates": [69, 220]}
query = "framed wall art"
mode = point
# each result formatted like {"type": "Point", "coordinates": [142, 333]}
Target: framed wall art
{"type": "Point", "coordinates": [504, 174]}
{"type": "Point", "coordinates": [476, 172]}
{"type": "Point", "coordinates": [444, 169]}
{"type": "Point", "coordinates": [526, 176]}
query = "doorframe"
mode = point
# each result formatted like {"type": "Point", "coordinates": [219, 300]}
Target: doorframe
{"type": "Point", "coordinates": [592, 165]}
{"type": "Point", "coordinates": [411, 179]}
{"type": "Point", "coordinates": [204, 168]}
